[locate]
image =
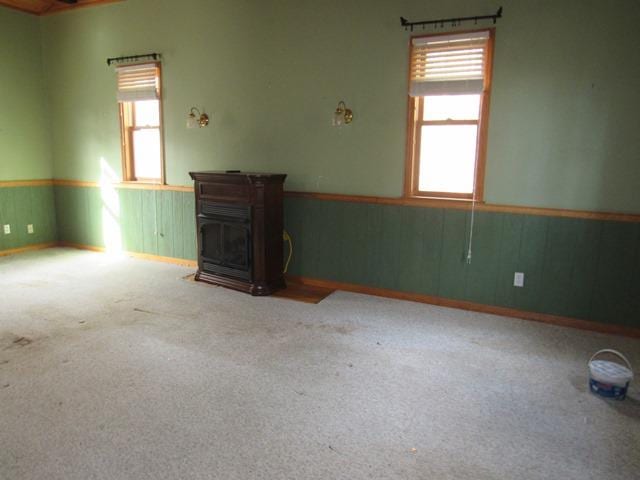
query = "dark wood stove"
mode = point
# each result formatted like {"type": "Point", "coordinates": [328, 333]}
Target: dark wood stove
{"type": "Point", "coordinates": [239, 222]}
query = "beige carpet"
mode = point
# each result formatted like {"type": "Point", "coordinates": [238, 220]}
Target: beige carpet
{"type": "Point", "coordinates": [120, 369]}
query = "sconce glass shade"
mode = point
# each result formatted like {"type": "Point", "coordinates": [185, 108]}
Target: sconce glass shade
{"type": "Point", "coordinates": [192, 121]}
{"type": "Point", "coordinates": [338, 118]}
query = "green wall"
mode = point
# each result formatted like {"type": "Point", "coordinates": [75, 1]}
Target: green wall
{"type": "Point", "coordinates": [562, 128]}
{"type": "Point", "coordinates": [24, 113]}
{"type": "Point", "coordinates": [21, 206]}
{"type": "Point", "coordinates": [144, 221]}
{"type": "Point", "coordinates": [24, 134]}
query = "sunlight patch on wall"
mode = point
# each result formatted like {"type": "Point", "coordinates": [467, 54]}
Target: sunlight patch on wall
{"type": "Point", "coordinates": [111, 230]}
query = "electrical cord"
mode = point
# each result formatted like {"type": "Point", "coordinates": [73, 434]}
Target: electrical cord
{"type": "Point", "coordinates": [287, 237]}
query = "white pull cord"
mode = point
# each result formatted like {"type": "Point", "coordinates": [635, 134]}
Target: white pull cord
{"type": "Point", "coordinates": [473, 214]}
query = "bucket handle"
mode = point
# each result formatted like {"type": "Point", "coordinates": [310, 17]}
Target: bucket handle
{"type": "Point", "coordinates": [613, 352]}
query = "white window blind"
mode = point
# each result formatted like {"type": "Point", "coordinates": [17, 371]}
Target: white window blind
{"type": "Point", "coordinates": [138, 82]}
{"type": "Point", "coordinates": [448, 64]}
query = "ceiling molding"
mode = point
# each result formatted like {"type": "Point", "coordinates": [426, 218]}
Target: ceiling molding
{"type": "Point", "coordinates": [48, 7]}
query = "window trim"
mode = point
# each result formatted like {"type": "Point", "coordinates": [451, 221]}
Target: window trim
{"type": "Point", "coordinates": [127, 115]}
{"type": "Point", "coordinates": [415, 106]}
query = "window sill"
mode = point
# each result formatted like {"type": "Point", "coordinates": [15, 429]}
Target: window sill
{"type": "Point", "coordinates": [140, 182]}
{"type": "Point", "coordinates": [420, 200]}
{"type": "Point", "coordinates": [152, 186]}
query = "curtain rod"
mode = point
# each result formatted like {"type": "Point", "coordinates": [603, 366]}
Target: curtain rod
{"type": "Point", "coordinates": [155, 56]}
{"type": "Point", "coordinates": [453, 21]}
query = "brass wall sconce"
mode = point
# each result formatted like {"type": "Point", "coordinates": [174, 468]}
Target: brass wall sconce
{"type": "Point", "coordinates": [342, 115]}
{"type": "Point", "coordinates": [197, 119]}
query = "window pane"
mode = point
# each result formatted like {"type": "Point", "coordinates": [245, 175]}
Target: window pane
{"type": "Point", "coordinates": [146, 153]}
{"type": "Point", "coordinates": [147, 113]}
{"type": "Point", "coordinates": [453, 107]}
{"type": "Point", "coordinates": [447, 158]}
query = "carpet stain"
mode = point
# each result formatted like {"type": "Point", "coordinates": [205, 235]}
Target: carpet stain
{"type": "Point", "coordinates": [334, 450]}
{"type": "Point", "coordinates": [17, 342]}
{"type": "Point", "coordinates": [125, 299]}
{"type": "Point", "coordinates": [342, 329]}
{"type": "Point", "coordinates": [22, 341]}
{"type": "Point", "coordinates": [141, 310]}
{"type": "Point", "coordinates": [161, 314]}
{"type": "Point", "coordinates": [11, 341]}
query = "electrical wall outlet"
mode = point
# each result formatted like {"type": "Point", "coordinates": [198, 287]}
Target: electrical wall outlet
{"type": "Point", "coordinates": [7, 229]}
{"type": "Point", "coordinates": [518, 279]}
{"type": "Point", "coordinates": [30, 228]}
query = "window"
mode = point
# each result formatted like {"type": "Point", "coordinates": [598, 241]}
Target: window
{"type": "Point", "coordinates": [450, 78]}
{"type": "Point", "coordinates": [141, 122]}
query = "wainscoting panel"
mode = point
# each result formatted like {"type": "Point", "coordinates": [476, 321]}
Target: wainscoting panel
{"type": "Point", "coordinates": [154, 222]}
{"type": "Point", "coordinates": [581, 268]}
{"type": "Point", "coordinates": [24, 205]}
